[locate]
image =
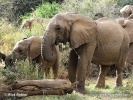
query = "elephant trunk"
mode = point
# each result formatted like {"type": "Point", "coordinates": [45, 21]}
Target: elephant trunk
{"type": "Point", "coordinates": [48, 50]}
{"type": "Point", "coordinates": [10, 62]}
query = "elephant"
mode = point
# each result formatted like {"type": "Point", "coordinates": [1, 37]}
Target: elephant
{"type": "Point", "coordinates": [102, 42]}
{"type": "Point", "coordinates": [2, 57]}
{"type": "Point", "coordinates": [30, 48]}
{"type": "Point", "coordinates": [126, 11]}
{"type": "Point", "coordinates": [98, 15]}
{"type": "Point", "coordinates": [127, 24]}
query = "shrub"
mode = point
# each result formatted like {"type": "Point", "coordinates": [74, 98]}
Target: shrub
{"type": "Point", "coordinates": [9, 34]}
{"type": "Point", "coordinates": [46, 10]}
{"type": "Point", "coordinates": [129, 85]}
{"type": "Point", "coordinates": [13, 9]}
{"type": "Point", "coordinates": [124, 2]}
{"type": "Point", "coordinates": [109, 8]}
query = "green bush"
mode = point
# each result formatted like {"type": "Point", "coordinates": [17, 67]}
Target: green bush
{"type": "Point", "coordinates": [46, 10]}
{"type": "Point", "coordinates": [13, 9]}
{"type": "Point", "coordinates": [124, 2]}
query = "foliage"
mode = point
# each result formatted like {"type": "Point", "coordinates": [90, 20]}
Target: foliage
{"type": "Point", "coordinates": [129, 85]}
{"type": "Point", "coordinates": [13, 9]}
{"type": "Point", "coordinates": [9, 35]}
{"type": "Point", "coordinates": [25, 71]}
{"type": "Point", "coordinates": [57, 1]}
{"type": "Point", "coordinates": [109, 8]}
{"type": "Point", "coordinates": [124, 2]}
{"type": "Point", "coordinates": [46, 10]}
{"type": "Point", "coordinates": [9, 77]}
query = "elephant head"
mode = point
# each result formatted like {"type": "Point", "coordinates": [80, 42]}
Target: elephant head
{"type": "Point", "coordinates": [126, 11]}
{"type": "Point", "coordinates": [26, 48]}
{"type": "Point", "coordinates": [10, 63]}
{"type": "Point", "coordinates": [66, 27]}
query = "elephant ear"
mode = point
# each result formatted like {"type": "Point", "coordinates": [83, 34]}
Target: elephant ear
{"type": "Point", "coordinates": [83, 31]}
{"type": "Point", "coordinates": [34, 49]}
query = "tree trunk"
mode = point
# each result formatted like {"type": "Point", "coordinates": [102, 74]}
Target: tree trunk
{"type": "Point", "coordinates": [26, 88]}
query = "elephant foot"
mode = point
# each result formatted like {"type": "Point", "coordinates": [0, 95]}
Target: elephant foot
{"type": "Point", "coordinates": [100, 86]}
{"type": "Point", "coordinates": [82, 91]}
{"type": "Point", "coordinates": [118, 85]}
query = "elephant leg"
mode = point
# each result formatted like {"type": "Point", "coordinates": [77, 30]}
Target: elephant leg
{"type": "Point", "coordinates": [119, 69]}
{"type": "Point", "coordinates": [72, 66]}
{"type": "Point", "coordinates": [85, 52]}
{"type": "Point", "coordinates": [81, 74]}
{"type": "Point", "coordinates": [101, 79]}
{"type": "Point", "coordinates": [119, 76]}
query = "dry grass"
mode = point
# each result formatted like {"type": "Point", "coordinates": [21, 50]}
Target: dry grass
{"type": "Point", "coordinates": [92, 94]}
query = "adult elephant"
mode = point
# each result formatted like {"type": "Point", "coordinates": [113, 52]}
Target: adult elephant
{"type": "Point", "coordinates": [30, 48]}
{"type": "Point", "coordinates": [127, 24]}
{"type": "Point", "coordinates": [126, 11]}
{"type": "Point", "coordinates": [103, 42]}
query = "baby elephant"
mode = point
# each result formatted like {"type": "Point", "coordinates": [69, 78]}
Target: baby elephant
{"type": "Point", "coordinates": [2, 57]}
{"type": "Point", "coordinates": [30, 48]}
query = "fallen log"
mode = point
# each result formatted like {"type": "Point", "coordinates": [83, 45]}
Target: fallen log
{"type": "Point", "coordinates": [26, 88]}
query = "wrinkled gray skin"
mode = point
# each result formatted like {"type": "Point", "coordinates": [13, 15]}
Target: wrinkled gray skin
{"type": "Point", "coordinates": [30, 48]}
{"type": "Point", "coordinates": [103, 42]}
{"type": "Point", "coordinates": [126, 11]}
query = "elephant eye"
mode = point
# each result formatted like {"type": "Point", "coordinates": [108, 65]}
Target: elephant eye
{"type": "Point", "coordinates": [58, 28]}
{"type": "Point", "coordinates": [20, 50]}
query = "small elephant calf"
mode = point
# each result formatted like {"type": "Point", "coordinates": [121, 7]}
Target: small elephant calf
{"type": "Point", "coordinates": [30, 48]}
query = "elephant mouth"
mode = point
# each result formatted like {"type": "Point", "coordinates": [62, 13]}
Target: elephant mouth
{"type": "Point", "coordinates": [58, 40]}
{"type": "Point", "coordinates": [11, 67]}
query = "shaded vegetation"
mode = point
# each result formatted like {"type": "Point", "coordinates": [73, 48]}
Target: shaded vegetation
{"type": "Point", "coordinates": [13, 9]}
